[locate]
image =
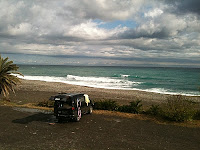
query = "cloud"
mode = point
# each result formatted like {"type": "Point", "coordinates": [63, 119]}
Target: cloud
{"type": "Point", "coordinates": [185, 6]}
{"type": "Point", "coordinates": [158, 25]}
{"type": "Point", "coordinates": [159, 29]}
{"type": "Point", "coordinates": [109, 10]}
{"type": "Point", "coordinates": [90, 30]}
{"type": "Point", "coordinates": [154, 13]}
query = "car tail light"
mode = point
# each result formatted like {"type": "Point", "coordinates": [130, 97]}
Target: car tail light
{"type": "Point", "coordinates": [73, 108]}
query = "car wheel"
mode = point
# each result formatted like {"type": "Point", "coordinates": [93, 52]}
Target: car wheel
{"type": "Point", "coordinates": [78, 115]}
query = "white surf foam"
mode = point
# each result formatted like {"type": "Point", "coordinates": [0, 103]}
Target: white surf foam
{"type": "Point", "coordinates": [124, 75]}
{"type": "Point", "coordinates": [101, 82]}
{"type": "Point", "coordinates": [98, 82]}
{"type": "Point", "coordinates": [168, 92]}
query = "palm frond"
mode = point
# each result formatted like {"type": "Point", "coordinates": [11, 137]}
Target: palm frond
{"type": "Point", "coordinates": [8, 78]}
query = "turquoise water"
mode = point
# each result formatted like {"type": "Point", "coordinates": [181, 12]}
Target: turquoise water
{"type": "Point", "coordinates": [185, 81]}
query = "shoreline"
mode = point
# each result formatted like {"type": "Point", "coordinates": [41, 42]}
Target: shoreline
{"type": "Point", "coordinates": [35, 91]}
{"type": "Point", "coordinates": [123, 89]}
{"type": "Point", "coordinates": [151, 90]}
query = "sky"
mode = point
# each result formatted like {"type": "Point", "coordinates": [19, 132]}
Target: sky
{"type": "Point", "coordinates": [101, 32]}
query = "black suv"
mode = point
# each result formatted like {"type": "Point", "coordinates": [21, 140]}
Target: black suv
{"type": "Point", "coordinates": [71, 106]}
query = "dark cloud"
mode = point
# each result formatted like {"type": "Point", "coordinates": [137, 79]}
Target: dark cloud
{"type": "Point", "coordinates": [134, 34]}
{"type": "Point", "coordinates": [185, 6]}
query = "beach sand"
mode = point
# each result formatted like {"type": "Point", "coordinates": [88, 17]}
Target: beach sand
{"type": "Point", "coordinates": [34, 91]}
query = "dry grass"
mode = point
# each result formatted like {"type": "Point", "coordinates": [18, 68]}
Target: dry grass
{"type": "Point", "coordinates": [191, 124]}
{"type": "Point", "coordinates": [28, 105]}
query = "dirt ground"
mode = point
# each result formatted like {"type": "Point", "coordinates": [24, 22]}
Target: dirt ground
{"type": "Point", "coordinates": [21, 130]}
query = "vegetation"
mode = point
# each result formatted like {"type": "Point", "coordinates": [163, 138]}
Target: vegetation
{"type": "Point", "coordinates": [197, 115]}
{"type": "Point", "coordinates": [7, 79]}
{"type": "Point", "coordinates": [106, 105]}
{"type": "Point", "coordinates": [154, 110]}
{"type": "Point", "coordinates": [178, 108]}
{"type": "Point", "coordinates": [134, 107]}
{"type": "Point", "coordinates": [46, 103]}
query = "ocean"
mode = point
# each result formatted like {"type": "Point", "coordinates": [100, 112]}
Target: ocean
{"type": "Point", "coordinates": [183, 81]}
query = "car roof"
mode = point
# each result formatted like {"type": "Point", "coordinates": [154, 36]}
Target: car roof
{"type": "Point", "coordinates": [71, 94]}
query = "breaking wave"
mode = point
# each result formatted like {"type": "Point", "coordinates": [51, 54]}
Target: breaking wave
{"type": "Point", "coordinates": [98, 82]}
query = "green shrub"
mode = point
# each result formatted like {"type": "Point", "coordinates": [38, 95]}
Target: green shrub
{"type": "Point", "coordinates": [197, 115]}
{"type": "Point", "coordinates": [45, 103]}
{"type": "Point", "coordinates": [124, 108]}
{"type": "Point", "coordinates": [154, 110]}
{"type": "Point", "coordinates": [178, 108]}
{"type": "Point", "coordinates": [134, 107]}
{"type": "Point", "coordinates": [106, 105]}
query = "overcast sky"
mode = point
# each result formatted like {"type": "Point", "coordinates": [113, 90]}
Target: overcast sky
{"type": "Point", "coordinates": [101, 32]}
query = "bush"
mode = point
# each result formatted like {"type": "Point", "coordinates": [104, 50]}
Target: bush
{"type": "Point", "coordinates": [125, 108]}
{"type": "Point", "coordinates": [45, 103]}
{"type": "Point", "coordinates": [106, 105]}
{"type": "Point", "coordinates": [154, 110]}
{"type": "Point", "coordinates": [178, 108]}
{"type": "Point", "coordinates": [197, 115]}
{"type": "Point", "coordinates": [134, 107]}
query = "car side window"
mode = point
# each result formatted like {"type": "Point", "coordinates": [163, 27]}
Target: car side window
{"type": "Point", "coordinates": [78, 102]}
{"type": "Point", "coordinates": [82, 101]}
{"type": "Point", "coordinates": [68, 101]}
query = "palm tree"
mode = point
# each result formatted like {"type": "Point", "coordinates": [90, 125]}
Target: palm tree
{"type": "Point", "coordinates": [7, 78]}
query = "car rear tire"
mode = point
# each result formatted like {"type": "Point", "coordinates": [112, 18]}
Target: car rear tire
{"type": "Point", "coordinates": [78, 115]}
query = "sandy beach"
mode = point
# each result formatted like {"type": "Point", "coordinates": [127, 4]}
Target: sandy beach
{"type": "Point", "coordinates": [30, 91]}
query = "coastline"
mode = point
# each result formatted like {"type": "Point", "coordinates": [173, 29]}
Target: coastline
{"type": "Point", "coordinates": [31, 91]}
